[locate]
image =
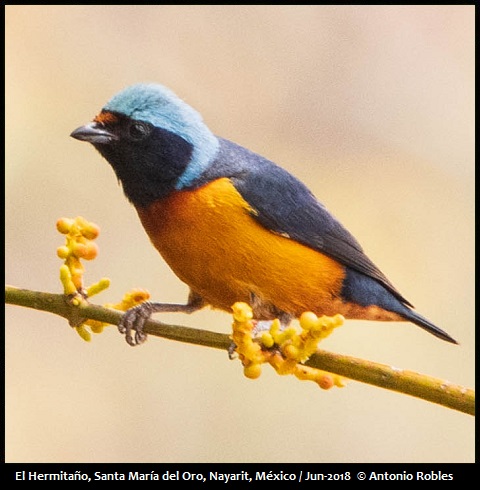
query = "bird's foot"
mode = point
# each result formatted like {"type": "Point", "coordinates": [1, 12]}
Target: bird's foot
{"type": "Point", "coordinates": [231, 351]}
{"type": "Point", "coordinates": [134, 320]}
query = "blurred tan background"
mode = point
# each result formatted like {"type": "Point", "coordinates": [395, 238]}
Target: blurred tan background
{"type": "Point", "coordinates": [373, 107]}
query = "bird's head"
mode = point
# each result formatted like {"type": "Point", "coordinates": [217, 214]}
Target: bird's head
{"type": "Point", "coordinates": [155, 142]}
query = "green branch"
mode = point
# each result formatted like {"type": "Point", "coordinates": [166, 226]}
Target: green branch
{"type": "Point", "coordinates": [407, 382]}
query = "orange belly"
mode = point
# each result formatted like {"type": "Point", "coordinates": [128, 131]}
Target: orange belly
{"type": "Point", "coordinates": [211, 242]}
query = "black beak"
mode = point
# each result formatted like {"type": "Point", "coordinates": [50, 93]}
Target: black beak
{"type": "Point", "coordinates": [94, 134]}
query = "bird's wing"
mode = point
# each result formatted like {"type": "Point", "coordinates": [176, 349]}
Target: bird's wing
{"type": "Point", "coordinates": [284, 205]}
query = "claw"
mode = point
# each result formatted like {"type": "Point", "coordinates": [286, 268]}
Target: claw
{"type": "Point", "coordinates": [231, 350]}
{"type": "Point", "coordinates": [134, 319]}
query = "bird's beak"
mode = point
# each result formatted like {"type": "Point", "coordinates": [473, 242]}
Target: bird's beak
{"type": "Point", "coordinates": [94, 134]}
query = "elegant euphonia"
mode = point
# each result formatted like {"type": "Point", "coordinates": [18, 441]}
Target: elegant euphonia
{"type": "Point", "coordinates": [231, 224]}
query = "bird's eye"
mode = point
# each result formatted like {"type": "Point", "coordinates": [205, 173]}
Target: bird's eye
{"type": "Point", "coordinates": [137, 131]}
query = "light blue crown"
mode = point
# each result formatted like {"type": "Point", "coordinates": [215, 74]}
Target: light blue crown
{"type": "Point", "coordinates": [157, 105]}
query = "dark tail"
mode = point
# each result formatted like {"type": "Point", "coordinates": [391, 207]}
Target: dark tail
{"type": "Point", "coordinates": [421, 321]}
{"type": "Point", "coordinates": [366, 290]}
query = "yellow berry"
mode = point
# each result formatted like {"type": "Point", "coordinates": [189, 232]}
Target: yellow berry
{"type": "Point", "coordinates": [90, 231]}
{"type": "Point", "coordinates": [308, 320]}
{"type": "Point", "coordinates": [64, 225]}
{"type": "Point", "coordinates": [96, 327]}
{"type": "Point", "coordinates": [84, 333]}
{"type": "Point", "coordinates": [135, 297]}
{"type": "Point", "coordinates": [253, 371]}
{"type": "Point", "coordinates": [325, 381]}
{"type": "Point", "coordinates": [87, 251]}
{"type": "Point", "coordinates": [76, 301]}
{"type": "Point", "coordinates": [338, 320]}
{"type": "Point", "coordinates": [98, 287]}
{"type": "Point", "coordinates": [242, 312]}
{"type": "Point", "coordinates": [267, 340]}
{"type": "Point", "coordinates": [66, 279]}
{"type": "Point", "coordinates": [290, 351]}
{"type": "Point", "coordinates": [275, 327]}
{"type": "Point", "coordinates": [63, 252]}
{"type": "Point", "coordinates": [340, 382]}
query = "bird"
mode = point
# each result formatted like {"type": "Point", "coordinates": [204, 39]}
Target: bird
{"type": "Point", "coordinates": [231, 224]}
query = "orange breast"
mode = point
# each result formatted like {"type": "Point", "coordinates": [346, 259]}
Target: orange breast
{"type": "Point", "coordinates": [211, 242]}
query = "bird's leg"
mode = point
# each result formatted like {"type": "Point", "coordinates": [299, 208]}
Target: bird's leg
{"type": "Point", "coordinates": [135, 318]}
{"type": "Point", "coordinates": [262, 310]}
